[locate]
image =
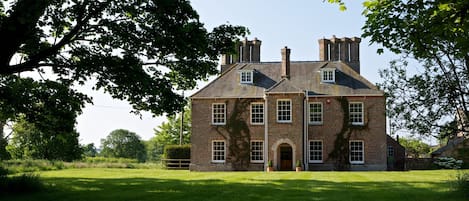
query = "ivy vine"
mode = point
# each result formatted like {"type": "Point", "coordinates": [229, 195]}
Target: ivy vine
{"type": "Point", "coordinates": [238, 135]}
{"type": "Point", "coordinates": [341, 143]}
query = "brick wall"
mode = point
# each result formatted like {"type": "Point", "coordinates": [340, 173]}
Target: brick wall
{"type": "Point", "coordinates": [373, 136]}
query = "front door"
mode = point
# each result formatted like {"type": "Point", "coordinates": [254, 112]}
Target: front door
{"type": "Point", "coordinates": [286, 158]}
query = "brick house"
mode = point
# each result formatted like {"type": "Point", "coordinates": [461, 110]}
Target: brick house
{"type": "Point", "coordinates": [323, 114]}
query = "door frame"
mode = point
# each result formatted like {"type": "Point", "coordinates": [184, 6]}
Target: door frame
{"type": "Point", "coordinates": [275, 148]}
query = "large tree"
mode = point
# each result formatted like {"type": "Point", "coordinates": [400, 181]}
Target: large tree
{"type": "Point", "coordinates": [436, 34]}
{"type": "Point", "coordinates": [168, 133]}
{"type": "Point", "coordinates": [29, 142]}
{"type": "Point", "coordinates": [136, 50]}
{"type": "Point", "coordinates": [122, 143]}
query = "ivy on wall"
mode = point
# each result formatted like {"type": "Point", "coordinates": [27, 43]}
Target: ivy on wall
{"type": "Point", "coordinates": [236, 132]}
{"type": "Point", "coordinates": [341, 143]}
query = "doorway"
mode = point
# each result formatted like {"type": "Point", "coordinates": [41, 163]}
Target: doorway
{"type": "Point", "coordinates": [286, 157]}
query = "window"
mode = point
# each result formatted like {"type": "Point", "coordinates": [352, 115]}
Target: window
{"type": "Point", "coordinates": [257, 113]}
{"type": "Point", "coordinates": [218, 151]}
{"type": "Point", "coordinates": [315, 151]}
{"type": "Point", "coordinates": [356, 152]}
{"type": "Point", "coordinates": [284, 111]}
{"type": "Point", "coordinates": [218, 114]}
{"type": "Point", "coordinates": [390, 151]}
{"type": "Point", "coordinates": [257, 151]}
{"type": "Point", "coordinates": [328, 75]}
{"type": "Point", "coordinates": [315, 113]}
{"type": "Point", "coordinates": [356, 113]}
{"type": "Point", "coordinates": [246, 77]}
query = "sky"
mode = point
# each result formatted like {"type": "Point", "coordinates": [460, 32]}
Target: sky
{"type": "Point", "coordinates": [277, 23]}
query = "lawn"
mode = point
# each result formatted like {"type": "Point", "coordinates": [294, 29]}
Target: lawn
{"type": "Point", "coordinates": [150, 184]}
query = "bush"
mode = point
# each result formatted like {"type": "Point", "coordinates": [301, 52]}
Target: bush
{"type": "Point", "coordinates": [109, 160]}
{"type": "Point", "coordinates": [177, 152]}
{"type": "Point", "coordinates": [448, 163]}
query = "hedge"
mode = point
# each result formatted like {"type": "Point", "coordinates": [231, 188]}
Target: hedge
{"type": "Point", "coordinates": [177, 152]}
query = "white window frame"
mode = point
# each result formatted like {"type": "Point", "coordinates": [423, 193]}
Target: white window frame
{"type": "Point", "coordinates": [255, 113]}
{"type": "Point", "coordinates": [214, 152]}
{"type": "Point", "coordinates": [246, 77]}
{"type": "Point", "coordinates": [330, 75]}
{"type": "Point", "coordinates": [362, 152]}
{"type": "Point", "coordinates": [310, 113]}
{"type": "Point", "coordinates": [311, 151]}
{"type": "Point", "coordinates": [353, 114]}
{"type": "Point", "coordinates": [289, 114]}
{"type": "Point", "coordinates": [216, 113]}
{"type": "Point", "coordinates": [260, 151]}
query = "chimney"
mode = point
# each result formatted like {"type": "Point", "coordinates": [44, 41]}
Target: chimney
{"type": "Point", "coordinates": [285, 62]}
{"type": "Point", "coordinates": [344, 49]}
{"type": "Point", "coordinates": [246, 51]}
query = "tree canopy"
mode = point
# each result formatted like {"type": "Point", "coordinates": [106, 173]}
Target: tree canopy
{"type": "Point", "coordinates": [436, 34]}
{"type": "Point", "coordinates": [139, 51]}
{"type": "Point", "coordinates": [122, 143]}
{"type": "Point", "coordinates": [29, 142]}
{"type": "Point", "coordinates": [168, 133]}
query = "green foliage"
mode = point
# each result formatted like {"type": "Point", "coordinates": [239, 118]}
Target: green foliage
{"type": "Point", "coordinates": [20, 166]}
{"type": "Point", "coordinates": [415, 147]}
{"type": "Point", "coordinates": [168, 133]}
{"type": "Point", "coordinates": [435, 33]}
{"type": "Point", "coordinates": [298, 163]}
{"type": "Point", "coordinates": [122, 143]}
{"type": "Point", "coordinates": [89, 150]}
{"type": "Point", "coordinates": [341, 4]}
{"type": "Point", "coordinates": [177, 152]}
{"type": "Point", "coordinates": [109, 160]}
{"type": "Point", "coordinates": [448, 163]}
{"type": "Point", "coordinates": [25, 183]}
{"type": "Point", "coordinates": [137, 51]}
{"type": "Point", "coordinates": [29, 141]}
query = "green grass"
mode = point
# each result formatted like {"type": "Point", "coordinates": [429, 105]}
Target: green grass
{"type": "Point", "coordinates": [150, 184]}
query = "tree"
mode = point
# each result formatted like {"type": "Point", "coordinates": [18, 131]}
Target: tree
{"type": "Point", "coordinates": [436, 34]}
{"type": "Point", "coordinates": [29, 142]}
{"type": "Point", "coordinates": [139, 51]}
{"type": "Point", "coordinates": [415, 148]}
{"type": "Point", "coordinates": [168, 133]}
{"type": "Point", "coordinates": [89, 150]}
{"type": "Point", "coordinates": [122, 143]}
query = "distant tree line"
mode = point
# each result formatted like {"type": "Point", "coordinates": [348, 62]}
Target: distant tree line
{"type": "Point", "coordinates": [29, 142]}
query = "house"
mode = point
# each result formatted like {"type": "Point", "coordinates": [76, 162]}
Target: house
{"type": "Point", "coordinates": [395, 154]}
{"type": "Point", "coordinates": [321, 114]}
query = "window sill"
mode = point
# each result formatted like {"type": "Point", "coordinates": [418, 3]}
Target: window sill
{"type": "Point", "coordinates": [316, 124]}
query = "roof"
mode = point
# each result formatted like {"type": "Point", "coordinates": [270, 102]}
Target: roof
{"type": "Point", "coordinates": [304, 77]}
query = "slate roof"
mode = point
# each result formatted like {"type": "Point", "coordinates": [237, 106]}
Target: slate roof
{"type": "Point", "coordinates": [304, 76]}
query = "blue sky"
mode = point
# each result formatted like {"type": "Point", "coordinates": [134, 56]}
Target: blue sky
{"type": "Point", "coordinates": [277, 23]}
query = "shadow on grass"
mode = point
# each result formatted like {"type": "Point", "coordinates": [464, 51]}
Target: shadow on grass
{"type": "Point", "coordinates": [254, 189]}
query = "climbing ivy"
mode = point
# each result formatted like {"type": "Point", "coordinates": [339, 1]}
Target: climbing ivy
{"type": "Point", "coordinates": [238, 135]}
{"type": "Point", "coordinates": [341, 143]}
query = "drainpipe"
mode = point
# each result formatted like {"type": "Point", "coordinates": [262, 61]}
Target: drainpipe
{"type": "Point", "coordinates": [266, 132]}
{"type": "Point", "coordinates": [305, 132]}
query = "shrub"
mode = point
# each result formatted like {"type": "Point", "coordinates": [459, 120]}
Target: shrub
{"type": "Point", "coordinates": [177, 152]}
{"type": "Point", "coordinates": [448, 163]}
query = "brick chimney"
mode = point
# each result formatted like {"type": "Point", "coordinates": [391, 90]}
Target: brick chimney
{"type": "Point", "coordinates": [344, 49]}
{"type": "Point", "coordinates": [285, 62]}
{"type": "Point", "coordinates": [247, 51]}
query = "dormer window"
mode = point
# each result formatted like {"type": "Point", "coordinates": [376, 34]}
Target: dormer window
{"type": "Point", "coordinates": [328, 75]}
{"type": "Point", "coordinates": [246, 77]}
